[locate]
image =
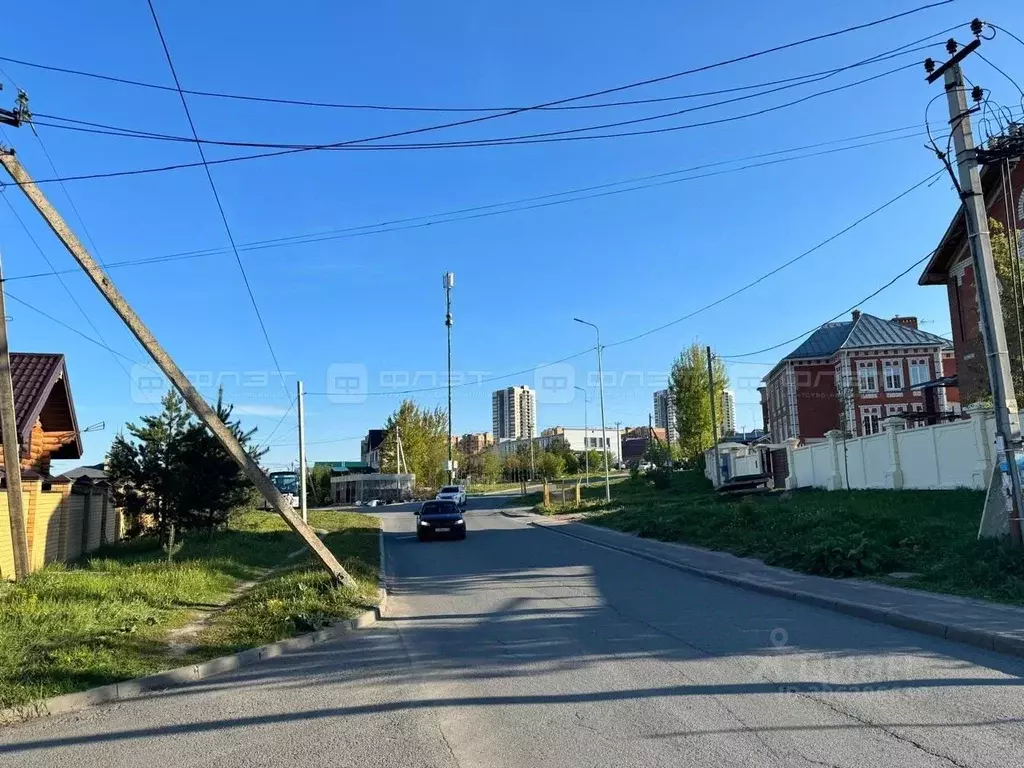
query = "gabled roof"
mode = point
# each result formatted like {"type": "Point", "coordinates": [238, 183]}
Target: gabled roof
{"type": "Point", "coordinates": [35, 377]}
{"type": "Point", "coordinates": [865, 332]}
{"type": "Point", "coordinates": [943, 259]}
{"type": "Point", "coordinates": [870, 331]}
{"type": "Point", "coordinates": [90, 471]}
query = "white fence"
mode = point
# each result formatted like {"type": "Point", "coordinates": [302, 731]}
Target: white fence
{"type": "Point", "coordinates": [957, 454]}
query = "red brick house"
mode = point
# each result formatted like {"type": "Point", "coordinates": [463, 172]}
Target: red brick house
{"type": "Point", "coordinates": [852, 375]}
{"type": "Point", "coordinates": [47, 425]}
{"type": "Point", "coordinates": [952, 267]}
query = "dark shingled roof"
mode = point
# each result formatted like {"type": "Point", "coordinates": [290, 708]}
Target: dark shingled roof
{"type": "Point", "coordinates": [34, 375]}
{"type": "Point", "coordinates": [863, 333]}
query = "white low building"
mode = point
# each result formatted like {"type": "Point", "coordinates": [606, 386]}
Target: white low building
{"type": "Point", "coordinates": [578, 439]}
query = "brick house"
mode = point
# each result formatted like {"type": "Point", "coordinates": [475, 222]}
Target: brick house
{"type": "Point", "coordinates": [952, 267]}
{"type": "Point", "coordinates": [852, 375]}
{"type": "Point", "coordinates": [47, 425]}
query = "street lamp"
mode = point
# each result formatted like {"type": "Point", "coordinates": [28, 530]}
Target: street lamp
{"type": "Point", "coordinates": [586, 433]}
{"type": "Point", "coordinates": [604, 431]}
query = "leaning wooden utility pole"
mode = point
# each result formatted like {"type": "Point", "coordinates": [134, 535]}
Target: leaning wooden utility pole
{"type": "Point", "coordinates": [195, 401]}
{"type": "Point", "coordinates": [12, 451]}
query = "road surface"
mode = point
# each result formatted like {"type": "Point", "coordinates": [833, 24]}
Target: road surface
{"type": "Point", "coordinates": [523, 647]}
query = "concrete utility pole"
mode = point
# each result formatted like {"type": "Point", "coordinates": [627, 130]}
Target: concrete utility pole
{"type": "Point", "coordinates": [668, 424]}
{"type": "Point", "coordinates": [533, 466]}
{"type": "Point", "coordinates": [300, 400]}
{"type": "Point", "coordinates": [12, 451]}
{"type": "Point", "coordinates": [586, 434]}
{"type": "Point", "coordinates": [618, 445]}
{"type": "Point", "coordinates": [1008, 437]}
{"type": "Point", "coordinates": [449, 283]}
{"type": "Point", "coordinates": [195, 401]}
{"type": "Point", "coordinates": [604, 431]}
{"type": "Point", "coordinates": [714, 418]}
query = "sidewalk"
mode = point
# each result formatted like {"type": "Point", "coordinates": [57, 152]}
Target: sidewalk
{"type": "Point", "coordinates": [990, 626]}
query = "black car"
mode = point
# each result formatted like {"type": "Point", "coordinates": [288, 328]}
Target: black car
{"type": "Point", "coordinates": [440, 518]}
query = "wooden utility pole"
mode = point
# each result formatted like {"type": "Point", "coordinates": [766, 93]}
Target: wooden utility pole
{"type": "Point", "coordinates": [195, 401]}
{"type": "Point", "coordinates": [12, 451]}
{"type": "Point", "coordinates": [301, 408]}
{"type": "Point", "coordinates": [714, 418]}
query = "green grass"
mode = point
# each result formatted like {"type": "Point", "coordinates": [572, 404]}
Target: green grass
{"type": "Point", "coordinates": [71, 627]}
{"type": "Point", "coordinates": [867, 534]}
{"type": "Point", "coordinates": [301, 598]}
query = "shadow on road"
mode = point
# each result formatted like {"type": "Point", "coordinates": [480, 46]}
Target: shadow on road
{"type": "Point", "coordinates": [514, 603]}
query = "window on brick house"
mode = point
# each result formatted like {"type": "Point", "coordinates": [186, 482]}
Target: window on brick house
{"type": "Point", "coordinates": [918, 370]}
{"type": "Point", "coordinates": [893, 370]}
{"type": "Point", "coordinates": [917, 408]}
{"type": "Point", "coordinates": [866, 377]}
{"type": "Point", "coordinates": [896, 410]}
{"type": "Point", "coordinates": [870, 416]}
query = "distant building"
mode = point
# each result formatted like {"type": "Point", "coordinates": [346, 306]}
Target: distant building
{"type": "Point", "coordinates": [475, 442]}
{"type": "Point", "coordinates": [514, 413]}
{"type": "Point", "coordinates": [369, 448]}
{"type": "Point", "coordinates": [577, 438]}
{"type": "Point", "coordinates": [728, 418]}
{"type": "Point", "coordinates": [665, 412]}
{"type": "Point", "coordinates": [629, 433]}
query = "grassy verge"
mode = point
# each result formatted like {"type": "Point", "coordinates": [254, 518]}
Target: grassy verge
{"type": "Point", "coordinates": [868, 534]}
{"type": "Point", "coordinates": [71, 627]}
{"type": "Point", "coordinates": [301, 598]}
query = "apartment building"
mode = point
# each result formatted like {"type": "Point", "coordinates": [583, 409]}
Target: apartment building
{"type": "Point", "coordinates": [514, 413]}
{"type": "Point", "coordinates": [665, 412]}
{"type": "Point", "coordinates": [728, 417]}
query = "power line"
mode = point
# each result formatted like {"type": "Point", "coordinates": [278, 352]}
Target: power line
{"type": "Point", "coordinates": [735, 358]}
{"type": "Point", "coordinates": [1003, 29]}
{"type": "Point", "coordinates": [1001, 72]}
{"type": "Point", "coordinates": [279, 153]}
{"type": "Point", "coordinates": [74, 330]}
{"type": "Point", "coordinates": [544, 137]}
{"type": "Point", "coordinates": [113, 130]}
{"type": "Point", "coordinates": [216, 195]}
{"type": "Point", "coordinates": [484, 380]}
{"type": "Point", "coordinates": [266, 441]}
{"type": "Point", "coordinates": [318, 442]}
{"type": "Point", "coordinates": [515, 206]}
{"type": "Point", "coordinates": [64, 285]}
{"type": "Point", "coordinates": [390, 107]}
{"type": "Point", "coordinates": [782, 266]}
{"type": "Point", "coordinates": [649, 81]}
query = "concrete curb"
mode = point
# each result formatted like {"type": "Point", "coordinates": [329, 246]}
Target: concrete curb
{"type": "Point", "coordinates": [172, 678]}
{"type": "Point", "coordinates": [524, 516]}
{"type": "Point", "coordinates": [979, 638]}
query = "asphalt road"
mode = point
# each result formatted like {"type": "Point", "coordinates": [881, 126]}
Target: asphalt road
{"type": "Point", "coordinates": [523, 647]}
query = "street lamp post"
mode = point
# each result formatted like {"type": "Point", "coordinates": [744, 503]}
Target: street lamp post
{"type": "Point", "coordinates": [604, 430]}
{"type": "Point", "coordinates": [586, 434]}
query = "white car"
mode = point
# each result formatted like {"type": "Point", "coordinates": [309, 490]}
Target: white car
{"type": "Point", "coordinates": [454, 493]}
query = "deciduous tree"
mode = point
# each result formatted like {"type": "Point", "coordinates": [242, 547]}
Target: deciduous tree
{"type": "Point", "coordinates": [689, 378]}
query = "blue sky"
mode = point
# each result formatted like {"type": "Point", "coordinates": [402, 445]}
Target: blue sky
{"type": "Point", "coordinates": [627, 262]}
